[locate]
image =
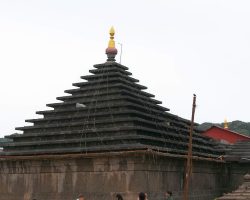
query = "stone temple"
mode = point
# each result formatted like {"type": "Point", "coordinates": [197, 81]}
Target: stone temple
{"type": "Point", "coordinates": [109, 136]}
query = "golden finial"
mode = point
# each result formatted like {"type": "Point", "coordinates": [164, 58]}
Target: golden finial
{"type": "Point", "coordinates": [111, 41]}
{"type": "Point", "coordinates": [111, 51]}
{"type": "Point", "coordinates": [112, 31]}
{"type": "Point", "coordinates": [225, 124]}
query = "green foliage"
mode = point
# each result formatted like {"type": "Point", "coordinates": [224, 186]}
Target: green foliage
{"type": "Point", "coordinates": [237, 126]}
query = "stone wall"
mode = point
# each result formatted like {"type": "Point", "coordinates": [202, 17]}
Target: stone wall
{"type": "Point", "coordinates": [101, 176]}
{"type": "Point", "coordinates": [236, 174]}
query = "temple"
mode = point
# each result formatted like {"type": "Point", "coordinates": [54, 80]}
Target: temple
{"type": "Point", "coordinates": [109, 111]}
{"type": "Point", "coordinates": [110, 136]}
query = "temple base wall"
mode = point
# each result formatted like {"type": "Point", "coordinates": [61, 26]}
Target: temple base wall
{"type": "Point", "coordinates": [236, 173]}
{"type": "Point", "coordinates": [101, 177]}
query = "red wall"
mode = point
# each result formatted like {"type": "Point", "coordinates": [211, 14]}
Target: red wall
{"type": "Point", "coordinates": [224, 134]}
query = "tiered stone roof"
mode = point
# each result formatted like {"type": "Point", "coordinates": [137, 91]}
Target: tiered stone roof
{"type": "Point", "coordinates": [239, 152]}
{"type": "Point", "coordinates": [242, 193]}
{"type": "Point", "coordinates": [109, 111]}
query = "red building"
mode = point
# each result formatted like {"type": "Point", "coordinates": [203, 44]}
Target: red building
{"type": "Point", "coordinates": [225, 135]}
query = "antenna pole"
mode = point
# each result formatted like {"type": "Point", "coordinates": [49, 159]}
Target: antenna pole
{"type": "Point", "coordinates": [189, 156]}
{"type": "Point", "coordinates": [120, 53]}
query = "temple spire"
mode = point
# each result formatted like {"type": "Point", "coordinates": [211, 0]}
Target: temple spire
{"type": "Point", "coordinates": [111, 51]}
{"type": "Point", "coordinates": [225, 124]}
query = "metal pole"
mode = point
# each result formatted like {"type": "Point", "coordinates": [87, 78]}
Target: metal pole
{"type": "Point", "coordinates": [189, 156]}
{"type": "Point", "coordinates": [120, 53]}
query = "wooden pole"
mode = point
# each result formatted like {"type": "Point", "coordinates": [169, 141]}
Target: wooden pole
{"type": "Point", "coordinates": [188, 170]}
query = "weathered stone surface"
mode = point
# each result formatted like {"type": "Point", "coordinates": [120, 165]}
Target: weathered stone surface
{"type": "Point", "coordinates": [102, 176]}
{"type": "Point", "coordinates": [88, 149]}
{"type": "Point", "coordinates": [242, 193]}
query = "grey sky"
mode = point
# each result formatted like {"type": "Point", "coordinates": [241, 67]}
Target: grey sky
{"type": "Point", "coordinates": [175, 48]}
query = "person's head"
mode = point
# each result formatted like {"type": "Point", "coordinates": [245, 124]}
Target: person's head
{"type": "Point", "coordinates": [119, 197]}
{"type": "Point", "coordinates": [80, 197]}
{"type": "Point", "coordinates": [168, 194]}
{"type": "Point", "coordinates": [142, 196]}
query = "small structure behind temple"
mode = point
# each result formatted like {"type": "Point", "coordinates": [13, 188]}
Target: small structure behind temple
{"type": "Point", "coordinates": [225, 135]}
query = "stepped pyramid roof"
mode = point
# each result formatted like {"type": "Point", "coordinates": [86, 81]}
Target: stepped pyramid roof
{"type": "Point", "coordinates": [108, 112]}
{"type": "Point", "coordinates": [239, 152]}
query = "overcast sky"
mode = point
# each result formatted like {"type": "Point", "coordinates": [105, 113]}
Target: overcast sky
{"type": "Point", "coordinates": [175, 48]}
